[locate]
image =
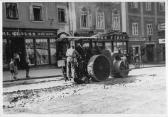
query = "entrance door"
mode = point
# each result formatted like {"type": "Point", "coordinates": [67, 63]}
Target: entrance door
{"type": "Point", "coordinates": [18, 46]}
{"type": "Point", "coordinates": [150, 52]}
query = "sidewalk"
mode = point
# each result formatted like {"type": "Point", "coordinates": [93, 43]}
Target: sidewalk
{"type": "Point", "coordinates": [38, 75]}
{"type": "Point", "coordinates": [34, 73]}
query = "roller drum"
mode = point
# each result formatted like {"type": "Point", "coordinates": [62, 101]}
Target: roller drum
{"type": "Point", "coordinates": [98, 67]}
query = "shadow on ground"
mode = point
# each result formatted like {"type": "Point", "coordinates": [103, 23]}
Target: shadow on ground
{"type": "Point", "coordinates": [114, 81]}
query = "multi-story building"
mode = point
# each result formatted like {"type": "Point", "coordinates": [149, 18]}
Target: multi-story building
{"type": "Point", "coordinates": [144, 23]}
{"type": "Point", "coordinates": [31, 29]}
{"type": "Point", "coordinates": [89, 18]}
{"type": "Point", "coordinates": [141, 21]}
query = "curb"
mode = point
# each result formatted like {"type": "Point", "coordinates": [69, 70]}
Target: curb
{"type": "Point", "coordinates": [44, 77]}
{"type": "Point", "coordinates": [32, 80]}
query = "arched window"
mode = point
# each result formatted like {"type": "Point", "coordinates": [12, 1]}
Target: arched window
{"type": "Point", "coordinates": [100, 19]}
{"type": "Point", "coordinates": [85, 18]}
{"type": "Point", "coordinates": [115, 20]}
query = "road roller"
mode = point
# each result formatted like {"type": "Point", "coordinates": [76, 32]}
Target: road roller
{"type": "Point", "coordinates": [101, 57]}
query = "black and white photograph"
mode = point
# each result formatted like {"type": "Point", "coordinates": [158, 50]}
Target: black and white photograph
{"type": "Point", "coordinates": [84, 57]}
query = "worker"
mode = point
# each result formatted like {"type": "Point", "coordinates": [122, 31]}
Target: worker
{"type": "Point", "coordinates": [71, 54]}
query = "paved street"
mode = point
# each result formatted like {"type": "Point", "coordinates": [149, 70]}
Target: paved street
{"type": "Point", "coordinates": [143, 92]}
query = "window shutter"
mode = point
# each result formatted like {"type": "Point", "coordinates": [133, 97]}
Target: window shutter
{"type": "Point", "coordinates": [46, 13]}
{"type": "Point", "coordinates": [43, 14]}
{"type": "Point", "coordinates": [31, 13]}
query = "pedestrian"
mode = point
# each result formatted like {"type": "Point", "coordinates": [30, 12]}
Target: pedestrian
{"type": "Point", "coordinates": [17, 59]}
{"type": "Point", "coordinates": [71, 54]}
{"type": "Point", "coordinates": [27, 66]}
{"type": "Point", "coordinates": [12, 69]}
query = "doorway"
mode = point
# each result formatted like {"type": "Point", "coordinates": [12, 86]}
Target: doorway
{"type": "Point", "coordinates": [150, 52]}
{"type": "Point", "coordinates": [18, 46]}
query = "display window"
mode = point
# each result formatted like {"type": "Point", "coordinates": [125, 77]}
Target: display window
{"type": "Point", "coordinates": [53, 51]}
{"type": "Point", "coordinates": [30, 50]}
{"type": "Point", "coordinates": [42, 51]}
{"type": "Point", "coordinates": [120, 46]}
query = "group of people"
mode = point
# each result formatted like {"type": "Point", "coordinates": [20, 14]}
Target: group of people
{"type": "Point", "coordinates": [75, 62]}
{"type": "Point", "coordinates": [15, 64]}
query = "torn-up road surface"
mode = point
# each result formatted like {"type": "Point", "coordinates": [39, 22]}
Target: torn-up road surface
{"type": "Point", "coordinates": [143, 92]}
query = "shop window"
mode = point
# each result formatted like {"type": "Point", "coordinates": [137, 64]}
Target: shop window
{"type": "Point", "coordinates": [149, 29]}
{"type": "Point", "coordinates": [115, 20]}
{"type": "Point", "coordinates": [12, 11]}
{"type": "Point", "coordinates": [30, 50]}
{"type": "Point", "coordinates": [162, 6]}
{"type": "Point", "coordinates": [61, 15]}
{"type": "Point", "coordinates": [100, 20]}
{"type": "Point", "coordinates": [148, 6]}
{"type": "Point", "coordinates": [42, 54]}
{"type": "Point", "coordinates": [53, 51]}
{"type": "Point", "coordinates": [134, 5]}
{"type": "Point", "coordinates": [134, 28]}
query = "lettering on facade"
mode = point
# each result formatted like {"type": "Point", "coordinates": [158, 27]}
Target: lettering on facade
{"type": "Point", "coordinates": [16, 33]}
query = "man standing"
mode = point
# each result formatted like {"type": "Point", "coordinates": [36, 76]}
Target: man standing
{"type": "Point", "coordinates": [71, 59]}
{"type": "Point", "coordinates": [27, 66]}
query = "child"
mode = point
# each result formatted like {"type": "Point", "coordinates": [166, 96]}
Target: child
{"type": "Point", "coordinates": [12, 69]}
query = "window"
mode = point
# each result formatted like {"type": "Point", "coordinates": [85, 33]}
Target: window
{"type": "Point", "coordinates": [162, 6]}
{"type": "Point", "coordinates": [148, 6]}
{"type": "Point", "coordinates": [149, 29]}
{"type": "Point", "coordinates": [115, 21]}
{"type": "Point", "coordinates": [134, 5]}
{"type": "Point", "coordinates": [134, 28]}
{"type": "Point", "coordinates": [37, 13]}
{"type": "Point", "coordinates": [85, 19]}
{"type": "Point", "coordinates": [11, 11]}
{"type": "Point", "coordinates": [100, 20]}
{"type": "Point", "coordinates": [61, 15]}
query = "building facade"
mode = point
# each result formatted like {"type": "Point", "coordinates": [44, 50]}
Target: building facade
{"type": "Point", "coordinates": [145, 26]}
{"type": "Point", "coordinates": [31, 29]}
{"type": "Point", "coordinates": [93, 17]}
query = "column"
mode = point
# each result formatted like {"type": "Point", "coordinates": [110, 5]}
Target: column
{"type": "Point", "coordinates": [123, 16]}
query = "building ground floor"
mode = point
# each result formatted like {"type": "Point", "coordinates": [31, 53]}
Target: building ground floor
{"type": "Point", "coordinates": [147, 52]}
{"type": "Point", "coordinates": [37, 44]}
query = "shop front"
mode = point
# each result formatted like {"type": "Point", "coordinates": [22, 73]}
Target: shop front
{"type": "Point", "coordinates": [38, 44]}
{"type": "Point", "coordinates": [137, 48]}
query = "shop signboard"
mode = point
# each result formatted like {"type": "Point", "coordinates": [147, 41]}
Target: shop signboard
{"type": "Point", "coordinates": [137, 39]}
{"type": "Point", "coordinates": [161, 26]}
{"type": "Point", "coordinates": [161, 41]}
{"type": "Point", "coordinates": [26, 33]}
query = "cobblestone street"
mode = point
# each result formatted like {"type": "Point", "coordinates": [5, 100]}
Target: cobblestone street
{"type": "Point", "coordinates": [143, 92]}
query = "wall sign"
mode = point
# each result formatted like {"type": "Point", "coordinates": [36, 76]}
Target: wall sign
{"type": "Point", "coordinates": [19, 33]}
{"type": "Point", "coordinates": [161, 41]}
